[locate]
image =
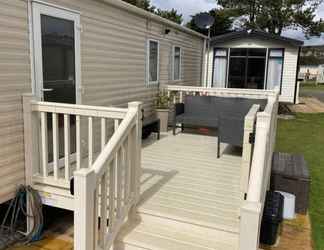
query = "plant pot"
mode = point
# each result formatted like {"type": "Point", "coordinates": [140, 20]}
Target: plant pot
{"type": "Point", "coordinates": [163, 115]}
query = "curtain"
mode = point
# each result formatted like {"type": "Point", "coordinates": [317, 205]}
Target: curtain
{"type": "Point", "coordinates": [220, 66]}
{"type": "Point", "coordinates": [275, 66]}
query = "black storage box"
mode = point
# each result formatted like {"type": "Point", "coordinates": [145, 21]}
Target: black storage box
{"type": "Point", "coordinates": [272, 218]}
{"type": "Point", "coordinates": [290, 174]}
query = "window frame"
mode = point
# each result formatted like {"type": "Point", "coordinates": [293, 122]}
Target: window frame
{"type": "Point", "coordinates": [148, 82]}
{"type": "Point", "coordinates": [283, 66]}
{"type": "Point", "coordinates": [247, 56]}
{"type": "Point", "coordinates": [173, 63]}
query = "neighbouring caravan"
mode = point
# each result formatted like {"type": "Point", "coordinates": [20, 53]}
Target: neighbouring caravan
{"type": "Point", "coordinates": [103, 53]}
{"type": "Point", "coordinates": [254, 60]}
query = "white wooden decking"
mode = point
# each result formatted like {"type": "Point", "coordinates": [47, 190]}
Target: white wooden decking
{"type": "Point", "coordinates": [189, 198]}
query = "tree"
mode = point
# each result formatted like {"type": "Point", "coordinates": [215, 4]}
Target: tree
{"type": "Point", "coordinates": [223, 22]}
{"type": "Point", "coordinates": [172, 15]}
{"type": "Point", "coordinates": [143, 4]}
{"type": "Point", "coordinates": [275, 15]}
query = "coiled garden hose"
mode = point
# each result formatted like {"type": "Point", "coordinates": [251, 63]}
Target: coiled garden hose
{"type": "Point", "coordinates": [9, 233]}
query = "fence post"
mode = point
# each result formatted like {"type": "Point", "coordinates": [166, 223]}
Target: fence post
{"type": "Point", "coordinates": [137, 107]}
{"type": "Point", "coordinates": [249, 128]}
{"type": "Point", "coordinates": [250, 226]}
{"type": "Point", "coordinates": [84, 209]}
{"type": "Point", "coordinates": [31, 132]}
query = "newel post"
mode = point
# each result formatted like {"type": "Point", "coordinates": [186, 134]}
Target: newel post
{"type": "Point", "coordinates": [31, 131]}
{"type": "Point", "coordinates": [84, 209]}
{"type": "Point", "coordinates": [250, 225]}
{"type": "Point", "coordinates": [137, 142]}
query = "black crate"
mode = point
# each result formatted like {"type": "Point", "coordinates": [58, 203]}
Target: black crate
{"type": "Point", "coordinates": [272, 218]}
{"type": "Point", "coordinates": [290, 174]}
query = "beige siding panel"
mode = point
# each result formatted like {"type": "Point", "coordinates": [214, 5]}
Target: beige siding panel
{"type": "Point", "coordinates": [290, 63]}
{"type": "Point", "coordinates": [113, 67]}
{"type": "Point", "coordinates": [14, 80]}
{"type": "Point", "coordinates": [113, 52]}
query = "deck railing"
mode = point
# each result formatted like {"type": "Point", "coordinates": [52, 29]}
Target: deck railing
{"type": "Point", "coordinates": [51, 138]}
{"type": "Point", "coordinates": [106, 187]}
{"type": "Point", "coordinates": [109, 190]}
{"type": "Point", "coordinates": [259, 180]}
{"type": "Point", "coordinates": [179, 92]}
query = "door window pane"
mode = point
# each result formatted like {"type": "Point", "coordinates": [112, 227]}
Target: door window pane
{"type": "Point", "coordinates": [177, 63]}
{"type": "Point", "coordinates": [238, 52]}
{"type": "Point", "coordinates": [257, 52]}
{"type": "Point", "coordinates": [237, 71]}
{"type": "Point", "coordinates": [58, 59]}
{"type": "Point", "coordinates": [255, 73]}
{"type": "Point", "coordinates": [153, 61]}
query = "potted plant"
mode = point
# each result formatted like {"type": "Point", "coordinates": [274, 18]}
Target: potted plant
{"type": "Point", "coordinates": [162, 109]}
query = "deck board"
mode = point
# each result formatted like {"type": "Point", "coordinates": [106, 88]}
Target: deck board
{"type": "Point", "coordinates": [183, 179]}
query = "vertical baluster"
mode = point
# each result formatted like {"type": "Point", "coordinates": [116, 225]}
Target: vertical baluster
{"type": "Point", "coordinates": [119, 182]}
{"type": "Point", "coordinates": [181, 97]}
{"type": "Point", "coordinates": [67, 146]}
{"type": "Point", "coordinates": [96, 212]}
{"type": "Point", "coordinates": [78, 141]}
{"type": "Point", "coordinates": [103, 211]}
{"type": "Point", "coordinates": [127, 169]}
{"type": "Point", "coordinates": [55, 144]}
{"type": "Point", "coordinates": [90, 140]}
{"type": "Point", "coordinates": [44, 143]}
{"type": "Point", "coordinates": [103, 133]}
{"type": "Point", "coordinates": [112, 184]}
{"type": "Point", "coordinates": [116, 124]}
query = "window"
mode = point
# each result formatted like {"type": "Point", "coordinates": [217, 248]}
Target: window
{"type": "Point", "coordinates": [153, 62]}
{"type": "Point", "coordinates": [220, 68]}
{"type": "Point", "coordinates": [247, 68]}
{"type": "Point", "coordinates": [275, 68]}
{"type": "Point", "coordinates": [176, 63]}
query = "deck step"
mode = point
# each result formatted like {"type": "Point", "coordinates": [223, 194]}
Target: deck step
{"type": "Point", "coordinates": [155, 233]}
{"type": "Point", "coordinates": [214, 221]}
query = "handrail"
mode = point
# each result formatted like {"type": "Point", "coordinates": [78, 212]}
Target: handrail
{"type": "Point", "coordinates": [252, 208]}
{"type": "Point", "coordinates": [110, 186]}
{"type": "Point", "coordinates": [259, 93]}
{"type": "Point", "coordinates": [74, 109]}
{"type": "Point", "coordinates": [109, 151]}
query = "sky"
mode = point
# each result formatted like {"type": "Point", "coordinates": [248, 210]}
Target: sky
{"type": "Point", "coordinates": [191, 7]}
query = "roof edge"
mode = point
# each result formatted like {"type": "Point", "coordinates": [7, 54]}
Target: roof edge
{"type": "Point", "coordinates": [260, 34]}
{"type": "Point", "coordinates": [129, 7]}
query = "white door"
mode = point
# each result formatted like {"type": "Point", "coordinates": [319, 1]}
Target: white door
{"type": "Point", "coordinates": [56, 34]}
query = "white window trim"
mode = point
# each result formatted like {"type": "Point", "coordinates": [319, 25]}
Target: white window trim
{"type": "Point", "coordinates": [148, 82]}
{"type": "Point", "coordinates": [173, 65]}
{"type": "Point", "coordinates": [38, 8]}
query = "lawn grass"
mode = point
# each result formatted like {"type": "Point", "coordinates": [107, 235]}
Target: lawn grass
{"type": "Point", "coordinates": [305, 135]}
{"type": "Point", "coordinates": [312, 86]}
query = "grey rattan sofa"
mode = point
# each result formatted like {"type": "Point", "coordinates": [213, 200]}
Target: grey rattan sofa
{"type": "Point", "coordinates": [223, 113]}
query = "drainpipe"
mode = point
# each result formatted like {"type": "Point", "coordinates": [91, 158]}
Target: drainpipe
{"type": "Point", "coordinates": [203, 68]}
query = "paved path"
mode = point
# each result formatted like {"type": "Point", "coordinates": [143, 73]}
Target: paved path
{"type": "Point", "coordinates": [308, 105]}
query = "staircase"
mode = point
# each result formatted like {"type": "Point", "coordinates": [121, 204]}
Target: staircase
{"type": "Point", "coordinates": [162, 233]}
{"type": "Point", "coordinates": [189, 198]}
